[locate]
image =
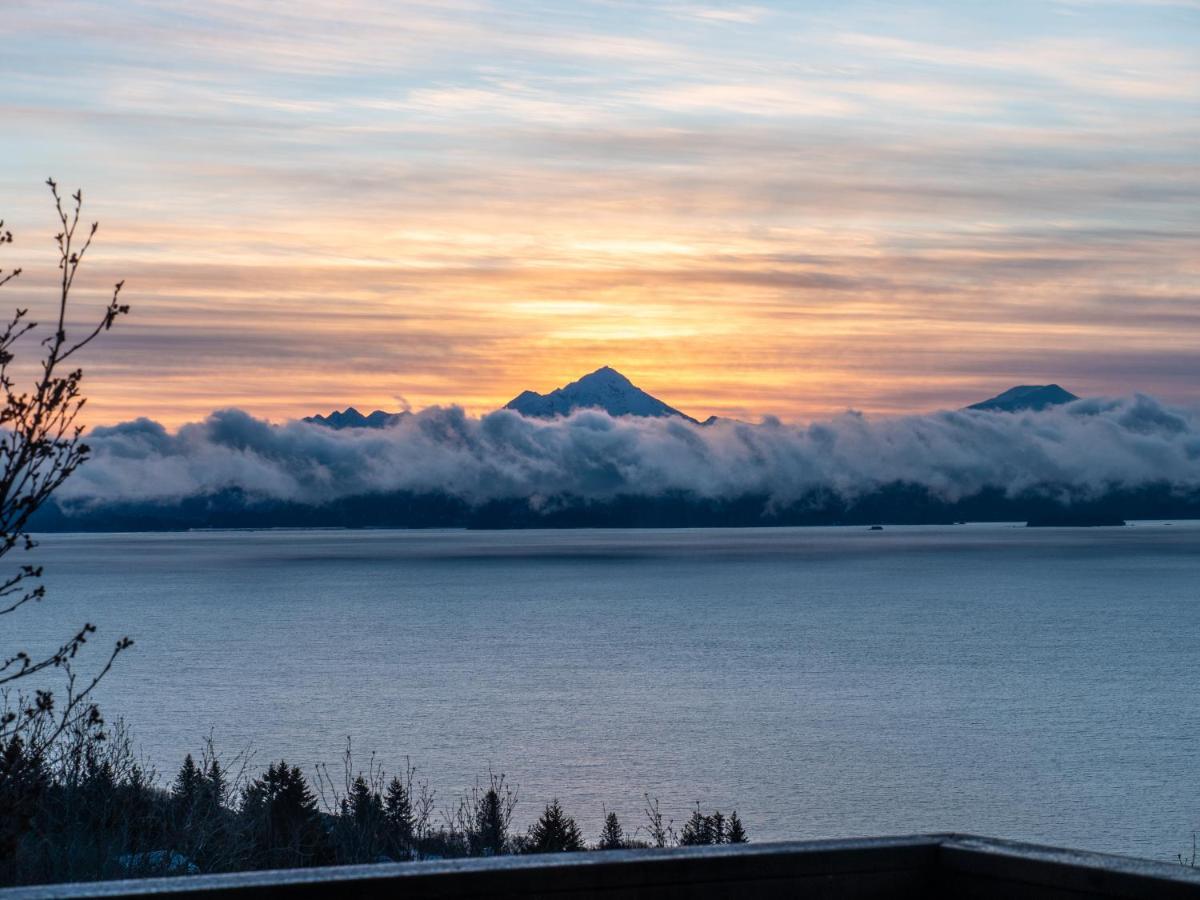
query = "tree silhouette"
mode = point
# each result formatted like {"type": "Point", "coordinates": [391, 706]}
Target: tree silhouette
{"type": "Point", "coordinates": [660, 829]}
{"type": "Point", "coordinates": [484, 814]}
{"type": "Point", "coordinates": [702, 830]}
{"type": "Point", "coordinates": [612, 837]}
{"type": "Point", "coordinates": [359, 829]}
{"type": "Point", "coordinates": [213, 787]}
{"type": "Point", "coordinates": [41, 445]}
{"type": "Point", "coordinates": [23, 779]}
{"type": "Point", "coordinates": [697, 830]}
{"type": "Point", "coordinates": [491, 825]}
{"type": "Point", "coordinates": [554, 832]}
{"type": "Point", "coordinates": [736, 834]}
{"type": "Point", "coordinates": [187, 784]}
{"type": "Point", "coordinates": [363, 805]}
{"type": "Point", "coordinates": [284, 823]}
{"type": "Point", "coordinates": [398, 815]}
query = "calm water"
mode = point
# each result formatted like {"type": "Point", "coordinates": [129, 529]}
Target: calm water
{"type": "Point", "coordinates": [1037, 684]}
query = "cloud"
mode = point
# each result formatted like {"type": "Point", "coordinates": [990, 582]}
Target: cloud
{"type": "Point", "coordinates": [742, 15]}
{"type": "Point", "coordinates": [1081, 450]}
{"type": "Point", "coordinates": [785, 208]}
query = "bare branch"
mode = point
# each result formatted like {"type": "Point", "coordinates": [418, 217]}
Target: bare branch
{"type": "Point", "coordinates": [40, 447]}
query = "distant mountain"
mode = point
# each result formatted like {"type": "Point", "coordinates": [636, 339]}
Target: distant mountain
{"type": "Point", "coordinates": [894, 503]}
{"type": "Point", "coordinates": [352, 418]}
{"type": "Point", "coordinates": [1027, 397]}
{"type": "Point", "coordinates": [605, 389]}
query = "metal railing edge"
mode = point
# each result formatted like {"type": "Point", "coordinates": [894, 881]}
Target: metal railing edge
{"type": "Point", "coordinates": [953, 854]}
{"type": "Point", "coordinates": [1063, 867]}
{"type": "Point", "coordinates": [333, 875]}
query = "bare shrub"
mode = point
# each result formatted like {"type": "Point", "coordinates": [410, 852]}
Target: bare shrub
{"type": "Point", "coordinates": [41, 445]}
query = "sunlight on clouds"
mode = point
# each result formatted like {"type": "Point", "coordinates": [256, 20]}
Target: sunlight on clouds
{"type": "Point", "coordinates": [786, 98]}
{"type": "Point", "coordinates": [778, 208]}
{"type": "Point", "coordinates": [536, 309]}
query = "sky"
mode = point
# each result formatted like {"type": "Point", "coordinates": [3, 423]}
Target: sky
{"type": "Point", "coordinates": [788, 209]}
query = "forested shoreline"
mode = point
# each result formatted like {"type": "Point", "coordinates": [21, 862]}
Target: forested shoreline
{"type": "Point", "coordinates": [91, 810]}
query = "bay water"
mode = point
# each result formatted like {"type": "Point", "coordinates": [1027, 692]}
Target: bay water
{"type": "Point", "coordinates": [1038, 684]}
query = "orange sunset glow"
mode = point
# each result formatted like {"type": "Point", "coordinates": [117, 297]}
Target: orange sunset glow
{"type": "Point", "coordinates": [607, 448]}
{"type": "Point", "coordinates": [747, 210]}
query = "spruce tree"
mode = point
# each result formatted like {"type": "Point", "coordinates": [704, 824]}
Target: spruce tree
{"type": "Point", "coordinates": [398, 814]}
{"type": "Point", "coordinates": [736, 833]}
{"type": "Point", "coordinates": [285, 824]}
{"type": "Point", "coordinates": [358, 829]}
{"type": "Point", "coordinates": [612, 837]}
{"type": "Point", "coordinates": [187, 786]}
{"type": "Point", "coordinates": [716, 827]}
{"type": "Point", "coordinates": [364, 805]}
{"type": "Point", "coordinates": [214, 786]}
{"type": "Point", "coordinates": [555, 832]}
{"type": "Point", "coordinates": [697, 831]}
{"type": "Point", "coordinates": [209, 839]}
{"type": "Point", "coordinates": [491, 825]}
{"type": "Point", "coordinates": [133, 802]}
{"type": "Point", "coordinates": [701, 830]}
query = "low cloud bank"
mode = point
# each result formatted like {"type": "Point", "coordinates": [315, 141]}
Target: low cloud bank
{"type": "Point", "coordinates": [1080, 451]}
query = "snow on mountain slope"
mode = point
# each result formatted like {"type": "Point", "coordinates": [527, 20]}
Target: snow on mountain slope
{"type": "Point", "coordinates": [1027, 397]}
{"type": "Point", "coordinates": [605, 389]}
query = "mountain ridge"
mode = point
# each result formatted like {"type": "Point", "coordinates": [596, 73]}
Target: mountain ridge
{"type": "Point", "coordinates": [608, 390]}
{"type": "Point", "coordinates": [352, 418]}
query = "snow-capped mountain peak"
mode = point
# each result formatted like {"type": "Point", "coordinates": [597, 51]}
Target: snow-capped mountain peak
{"type": "Point", "coordinates": [1027, 397]}
{"type": "Point", "coordinates": [605, 389]}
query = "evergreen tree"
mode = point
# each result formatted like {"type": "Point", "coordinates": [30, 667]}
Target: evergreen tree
{"type": "Point", "coordinates": [187, 785]}
{"type": "Point", "coordinates": [187, 795]}
{"type": "Point", "coordinates": [208, 836]}
{"type": "Point", "coordinates": [134, 803]}
{"type": "Point", "coordinates": [285, 828]}
{"type": "Point", "coordinates": [23, 782]}
{"type": "Point", "coordinates": [554, 832]}
{"type": "Point", "coordinates": [358, 830]}
{"type": "Point", "coordinates": [491, 825]}
{"type": "Point", "coordinates": [96, 788]}
{"type": "Point", "coordinates": [364, 806]}
{"type": "Point", "coordinates": [398, 814]}
{"type": "Point", "coordinates": [214, 785]}
{"type": "Point", "coordinates": [612, 837]}
{"type": "Point", "coordinates": [737, 834]}
{"type": "Point", "coordinates": [701, 830]}
{"type": "Point", "coordinates": [716, 827]}
{"type": "Point", "coordinates": [697, 831]}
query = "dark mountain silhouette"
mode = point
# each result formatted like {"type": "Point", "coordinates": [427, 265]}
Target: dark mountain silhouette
{"type": "Point", "coordinates": [352, 418]}
{"type": "Point", "coordinates": [608, 390]}
{"type": "Point", "coordinates": [1027, 397]}
{"type": "Point", "coordinates": [605, 389]}
{"type": "Point", "coordinates": [897, 503]}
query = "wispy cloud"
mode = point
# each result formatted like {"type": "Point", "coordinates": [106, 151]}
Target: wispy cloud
{"type": "Point", "coordinates": [781, 208]}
